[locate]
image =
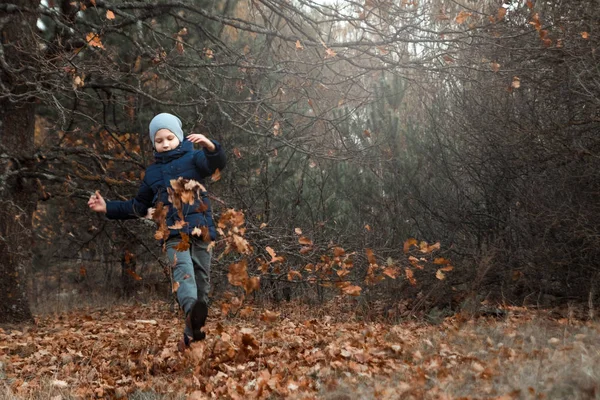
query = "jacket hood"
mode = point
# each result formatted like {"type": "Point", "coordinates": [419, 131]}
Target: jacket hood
{"type": "Point", "coordinates": [168, 156]}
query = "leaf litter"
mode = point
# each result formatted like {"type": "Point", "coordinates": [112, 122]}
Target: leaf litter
{"type": "Point", "coordinates": [108, 353]}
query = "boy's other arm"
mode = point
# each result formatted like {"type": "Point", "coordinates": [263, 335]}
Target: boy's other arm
{"type": "Point", "coordinates": [134, 208]}
{"type": "Point", "coordinates": [208, 161]}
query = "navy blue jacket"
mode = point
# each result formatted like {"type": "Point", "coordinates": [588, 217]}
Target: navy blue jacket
{"type": "Point", "coordinates": [184, 162]}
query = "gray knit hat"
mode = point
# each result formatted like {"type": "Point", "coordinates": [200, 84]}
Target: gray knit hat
{"type": "Point", "coordinates": [166, 121]}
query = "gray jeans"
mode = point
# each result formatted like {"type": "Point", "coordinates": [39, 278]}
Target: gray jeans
{"type": "Point", "coordinates": [191, 269]}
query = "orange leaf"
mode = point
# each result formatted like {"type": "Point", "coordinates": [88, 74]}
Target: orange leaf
{"type": "Point", "coordinates": [352, 290]}
{"type": "Point", "coordinates": [110, 14]}
{"type": "Point", "coordinates": [184, 244]}
{"type": "Point", "coordinates": [305, 241]}
{"type": "Point", "coordinates": [440, 275]}
{"type": "Point", "coordinates": [441, 260]}
{"type": "Point", "coordinates": [391, 272]}
{"type": "Point", "coordinates": [269, 316]}
{"type": "Point", "coordinates": [501, 13]}
{"type": "Point", "coordinates": [410, 276]}
{"type": "Point", "coordinates": [370, 256]}
{"type": "Point", "coordinates": [409, 242]}
{"type": "Point", "coordinates": [462, 17]}
{"type": "Point", "coordinates": [368, 227]}
{"type": "Point", "coordinates": [93, 40]}
{"type": "Point", "coordinates": [216, 176]}
{"type": "Point", "coordinates": [338, 252]}
{"type": "Point", "coordinates": [294, 274]}
{"type": "Point", "coordinates": [299, 45]}
{"type": "Point", "coordinates": [585, 35]}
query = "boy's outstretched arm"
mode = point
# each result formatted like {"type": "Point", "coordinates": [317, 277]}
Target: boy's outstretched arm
{"type": "Point", "coordinates": [129, 209]}
{"type": "Point", "coordinates": [212, 158]}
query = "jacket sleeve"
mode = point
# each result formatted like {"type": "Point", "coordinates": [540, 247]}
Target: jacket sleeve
{"type": "Point", "coordinates": [208, 162]}
{"type": "Point", "coordinates": [134, 208]}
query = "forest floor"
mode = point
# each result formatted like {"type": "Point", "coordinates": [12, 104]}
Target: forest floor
{"type": "Point", "coordinates": [130, 351]}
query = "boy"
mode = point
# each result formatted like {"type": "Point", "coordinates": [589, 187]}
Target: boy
{"type": "Point", "coordinates": [175, 157]}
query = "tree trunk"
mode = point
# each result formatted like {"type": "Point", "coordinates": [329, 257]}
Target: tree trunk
{"type": "Point", "coordinates": [17, 127]}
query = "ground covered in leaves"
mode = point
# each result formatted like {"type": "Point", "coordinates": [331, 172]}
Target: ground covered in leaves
{"type": "Point", "coordinates": [301, 353]}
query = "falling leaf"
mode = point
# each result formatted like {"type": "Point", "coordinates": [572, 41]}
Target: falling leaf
{"type": "Point", "coordinates": [263, 225]}
{"type": "Point", "coordinates": [368, 227]}
{"type": "Point", "coordinates": [516, 82]}
{"type": "Point", "coordinates": [370, 256]}
{"type": "Point", "coordinates": [391, 272]}
{"type": "Point", "coordinates": [209, 53]}
{"type": "Point", "coordinates": [182, 32]}
{"type": "Point", "coordinates": [179, 45]}
{"type": "Point", "coordinates": [274, 256]}
{"type": "Point", "coordinates": [462, 17]}
{"type": "Point", "coordinates": [216, 176]}
{"type": "Point", "coordinates": [441, 261]}
{"type": "Point", "coordinates": [294, 274]}
{"type": "Point", "coordinates": [352, 290]}
{"type": "Point", "coordinates": [440, 275]}
{"type": "Point", "coordinates": [269, 316]}
{"type": "Point", "coordinates": [501, 13]}
{"type": "Point", "coordinates": [237, 153]}
{"type": "Point", "coordinates": [305, 241]}
{"type": "Point", "coordinates": [298, 231]}
{"type": "Point", "coordinates": [585, 35]}
{"type": "Point", "coordinates": [299, 45]}
{"type": "Point", "coordinates": [276, 128]}
{"type": "Point", "coordinates": [495, 67]}
{"type": "Point", "coordinates": [410, 276]}
{"type": "Point", "coordinates": [409, 242]}
{"type": "Point", "coordinates": [367, 133]}
{"type": "Point", "coordinates": [110, 14]}
{"type": "Point", "coordinates": [93, 40]}
{"type": "Point", "coordinates": [184, 244]}
{"type": "Point", "coordinates": [175, 287]}
{"type": "Point", "coordinates": [329, 53]}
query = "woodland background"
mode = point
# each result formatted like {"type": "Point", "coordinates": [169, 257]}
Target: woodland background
{"type": "Point", "coordinates": [419, 155]}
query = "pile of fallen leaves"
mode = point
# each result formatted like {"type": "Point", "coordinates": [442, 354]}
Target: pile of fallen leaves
{"type": "Point", "coordinates": [295, 352]}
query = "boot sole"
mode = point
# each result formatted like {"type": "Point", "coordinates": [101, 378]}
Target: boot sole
{"type": "Point", "coordinates": [198, 316]}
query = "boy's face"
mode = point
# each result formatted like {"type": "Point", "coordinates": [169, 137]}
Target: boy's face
{"type": "Point", "coordinates": [165, 140]}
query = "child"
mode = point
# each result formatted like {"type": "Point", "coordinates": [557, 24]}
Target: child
{"type": "Point", "coordinates": [175, 157]}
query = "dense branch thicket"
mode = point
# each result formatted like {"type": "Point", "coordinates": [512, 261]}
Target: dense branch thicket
{"type": "Point", "coordinates": [361, 123]}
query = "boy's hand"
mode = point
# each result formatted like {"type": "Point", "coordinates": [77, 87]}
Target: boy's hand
{"type": "Point", "coordinates": [202, 140]}
{"type": "Point", "coordinates": [150, 213]}
{"type": "Point", "coordinates": [97, 203]}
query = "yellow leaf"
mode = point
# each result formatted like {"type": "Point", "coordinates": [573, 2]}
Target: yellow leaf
{"type": "Point", "coordinates": [110, 14]}
{"type": "Point", "coordinates": [440, 275]}
{"type": "Point", "coordinates": [263, 225]}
